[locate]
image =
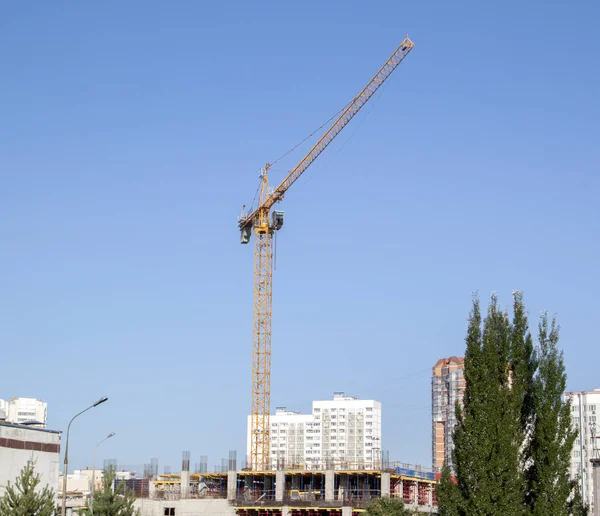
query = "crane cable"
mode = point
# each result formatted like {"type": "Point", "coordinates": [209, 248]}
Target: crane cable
{"type": "Point", "coordinates": [318, 129]}
{"type": "Point", "coordinates": [295, 147]}
{"type": "Point", "coordinates": [310, 135]}
{"type": "Point", "coordinates": [254, 200]}
{"type": "Point", "coordinates": [360, 122]}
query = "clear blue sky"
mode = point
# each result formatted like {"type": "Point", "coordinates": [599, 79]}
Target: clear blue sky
{"type": "Point", "coordinates": [131, 134]}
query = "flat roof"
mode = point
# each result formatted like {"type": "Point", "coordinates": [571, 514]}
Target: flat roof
{"type": "Point", "coordinates": [571, 393]}
{"type": "Point", "coordinates": [28, 427]}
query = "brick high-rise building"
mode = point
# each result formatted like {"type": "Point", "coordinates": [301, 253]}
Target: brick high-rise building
{"type": "Point", "coordinates": [447, 387]}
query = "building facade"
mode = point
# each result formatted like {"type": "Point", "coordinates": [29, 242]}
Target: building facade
{"type": "Point", "coordinates": [344, 432]}
{"type": "Point", "coordinates": [585, 413]}
{"type": "Point", "coordinates": [24, 410]}
{"type": "Point", "coordinates": [447, 388]}
{"type": "Point", "coordinates": [20, 443]}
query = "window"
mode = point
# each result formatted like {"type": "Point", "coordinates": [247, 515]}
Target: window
{"type": "Point", "coordinates": [169, 511]}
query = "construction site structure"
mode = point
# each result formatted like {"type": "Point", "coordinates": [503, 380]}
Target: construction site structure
{"type": "Point", "coordinates": [263, 224]}
{"type": "Point", "coordinates": [305, 493]}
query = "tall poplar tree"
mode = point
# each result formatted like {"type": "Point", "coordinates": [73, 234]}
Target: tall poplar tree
{"type": "Point", "coordinates": [514, 435]}
{"type": "Point", "coordinates": [448, 496]}
{"type": "Point", "coordinates": [488, 435]}
{"type": "Point", "coordinates": [552, 435]}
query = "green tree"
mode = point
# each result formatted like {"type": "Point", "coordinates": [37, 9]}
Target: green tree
{"type": "Point", "coordinates": [523, 364]}
{"type": "Point", "coordinates": [576, 505]}
{"type": "Point", "coordinates": [109, 502]}
{"type": "Point", "coordinates": [387, 507]}
{"type": "Point", "coordinates": [549, 488]}
{"type": "Point", "coordinates": [488, 436]}
{"type": "Point", "coordinates": [22, 499]}
{"type": "Point", "coordinates": [514, 435]}
{"type": "Point", "coordinates": [448, 495]}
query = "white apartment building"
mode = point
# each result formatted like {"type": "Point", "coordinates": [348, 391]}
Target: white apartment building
{"type": "Point", "coordinates": [23, 410]}
{"type": "Point", "coordinates": [585, 414]}
{"type": "Point", "coordinates": [342, 433]}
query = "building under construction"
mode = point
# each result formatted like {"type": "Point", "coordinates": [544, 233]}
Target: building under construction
{"type": "Point", "coordinates": [289, 491]}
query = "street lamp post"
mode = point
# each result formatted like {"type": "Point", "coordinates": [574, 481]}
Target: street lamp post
{"type": "Point", "coordinates": [112, 434]}
{"type": "Point", "coordinates": [66, 467]}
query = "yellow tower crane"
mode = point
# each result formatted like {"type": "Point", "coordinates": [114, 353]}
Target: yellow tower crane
{"type": "Point", "coordinates": [260, 221]}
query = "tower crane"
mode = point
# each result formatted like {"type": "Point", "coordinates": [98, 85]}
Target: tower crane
{"type": "Point", "coordinates": [260, 221]}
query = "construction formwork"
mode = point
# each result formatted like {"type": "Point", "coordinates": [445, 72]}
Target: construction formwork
{"type": "Point", "coordinates": [294, 511]}
{"type": "Point", "coordinates": [301, 489]}
{"type": "Point", "coordinates": [201, 485]}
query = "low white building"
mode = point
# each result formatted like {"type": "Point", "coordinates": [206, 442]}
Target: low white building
{"type": "Point", "coordinates": [20, 443]}
{"type": "Point", "coordinates": [24, 410]}
{"type": "Point", "coordinates": [585, 414]}
{"type": "Point", "coordinates": [342, 433]}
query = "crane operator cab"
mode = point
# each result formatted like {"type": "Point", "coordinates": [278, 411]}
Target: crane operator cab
{"type": "Point", "coordinates": [277, 220]}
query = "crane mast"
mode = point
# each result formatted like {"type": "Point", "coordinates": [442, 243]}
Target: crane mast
{"type": "Point", "coordinates": [260, 222]}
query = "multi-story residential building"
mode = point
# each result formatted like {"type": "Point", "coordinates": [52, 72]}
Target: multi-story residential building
{"type": "Point", "coordinates": [344, 432]}
{"type": "Point", "coordinates": [585, 414]}
{"type": "Point", "coordinates": [447, 388]}
{"type": "Point", "coordinates": [24, 410]}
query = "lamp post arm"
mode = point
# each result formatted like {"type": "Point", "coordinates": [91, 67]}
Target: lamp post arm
{"type": "Point", "coordinates": [66, 462]}
{"type": "Point", "coordinates": [69, 429]}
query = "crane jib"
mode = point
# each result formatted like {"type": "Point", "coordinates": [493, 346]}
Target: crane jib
{"type": "Point", "coordinates": [354, 107]}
